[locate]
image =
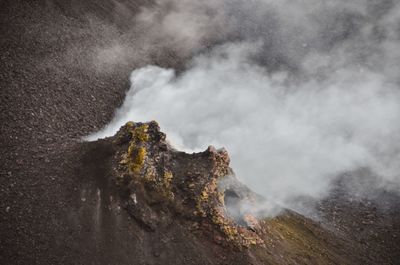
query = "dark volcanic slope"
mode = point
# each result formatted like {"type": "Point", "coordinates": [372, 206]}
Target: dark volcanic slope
{"type": "Point", "coordinates": [57, 86]}
{"type": "Point", "coordinates": [52, 92]}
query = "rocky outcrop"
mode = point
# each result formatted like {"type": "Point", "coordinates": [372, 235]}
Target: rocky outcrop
{"type": "Point", "coordinates": [161, 182]}
{"type": "Point", "coordinates": [163, 189]}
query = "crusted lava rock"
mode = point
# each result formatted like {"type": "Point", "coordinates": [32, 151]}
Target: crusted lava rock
{"type": "Point", "coordinates": [171, 207]}
{"type": "Point", "coordinates": [160, 182]}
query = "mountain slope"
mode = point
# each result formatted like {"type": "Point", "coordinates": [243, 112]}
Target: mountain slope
{"type": "Point", "coordinates": [177, 210]}
{"type": "Point", "coordinates": [58, 85]}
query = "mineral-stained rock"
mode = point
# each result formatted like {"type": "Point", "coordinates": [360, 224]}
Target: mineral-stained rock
{"type": "Point", "coordinates": [198, 196]}
{"type": "Point", "coordinates": [162, 181]}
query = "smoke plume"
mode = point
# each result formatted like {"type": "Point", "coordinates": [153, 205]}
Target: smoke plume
{"type": "Point", "coordinates": [298, 92]}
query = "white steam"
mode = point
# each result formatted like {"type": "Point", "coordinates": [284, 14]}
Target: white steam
{"type": "Point", "coordinates": [281, 137]}
{"type": "Point", "coordinates": [298, 94]}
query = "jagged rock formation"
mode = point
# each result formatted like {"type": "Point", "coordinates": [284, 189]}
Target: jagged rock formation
{"type": "Point", "coordinates": [154, 173]}
{"type": "Point", "coordinates": [159, 186]}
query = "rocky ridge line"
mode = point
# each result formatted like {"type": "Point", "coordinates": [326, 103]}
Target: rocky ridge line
{"type": "Point", "coordinates": [161, 182]}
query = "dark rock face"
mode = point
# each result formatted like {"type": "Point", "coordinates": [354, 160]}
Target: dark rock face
{"type": "Point", "coordinates": [162, 182]}
{"type": "Point", "coordinates": [162, 192]}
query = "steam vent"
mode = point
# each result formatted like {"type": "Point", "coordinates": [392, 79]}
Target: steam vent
{"type": "Point", "coordinates": [180, 184]}
{"type": "Point", "coordinates": [196, 200]}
